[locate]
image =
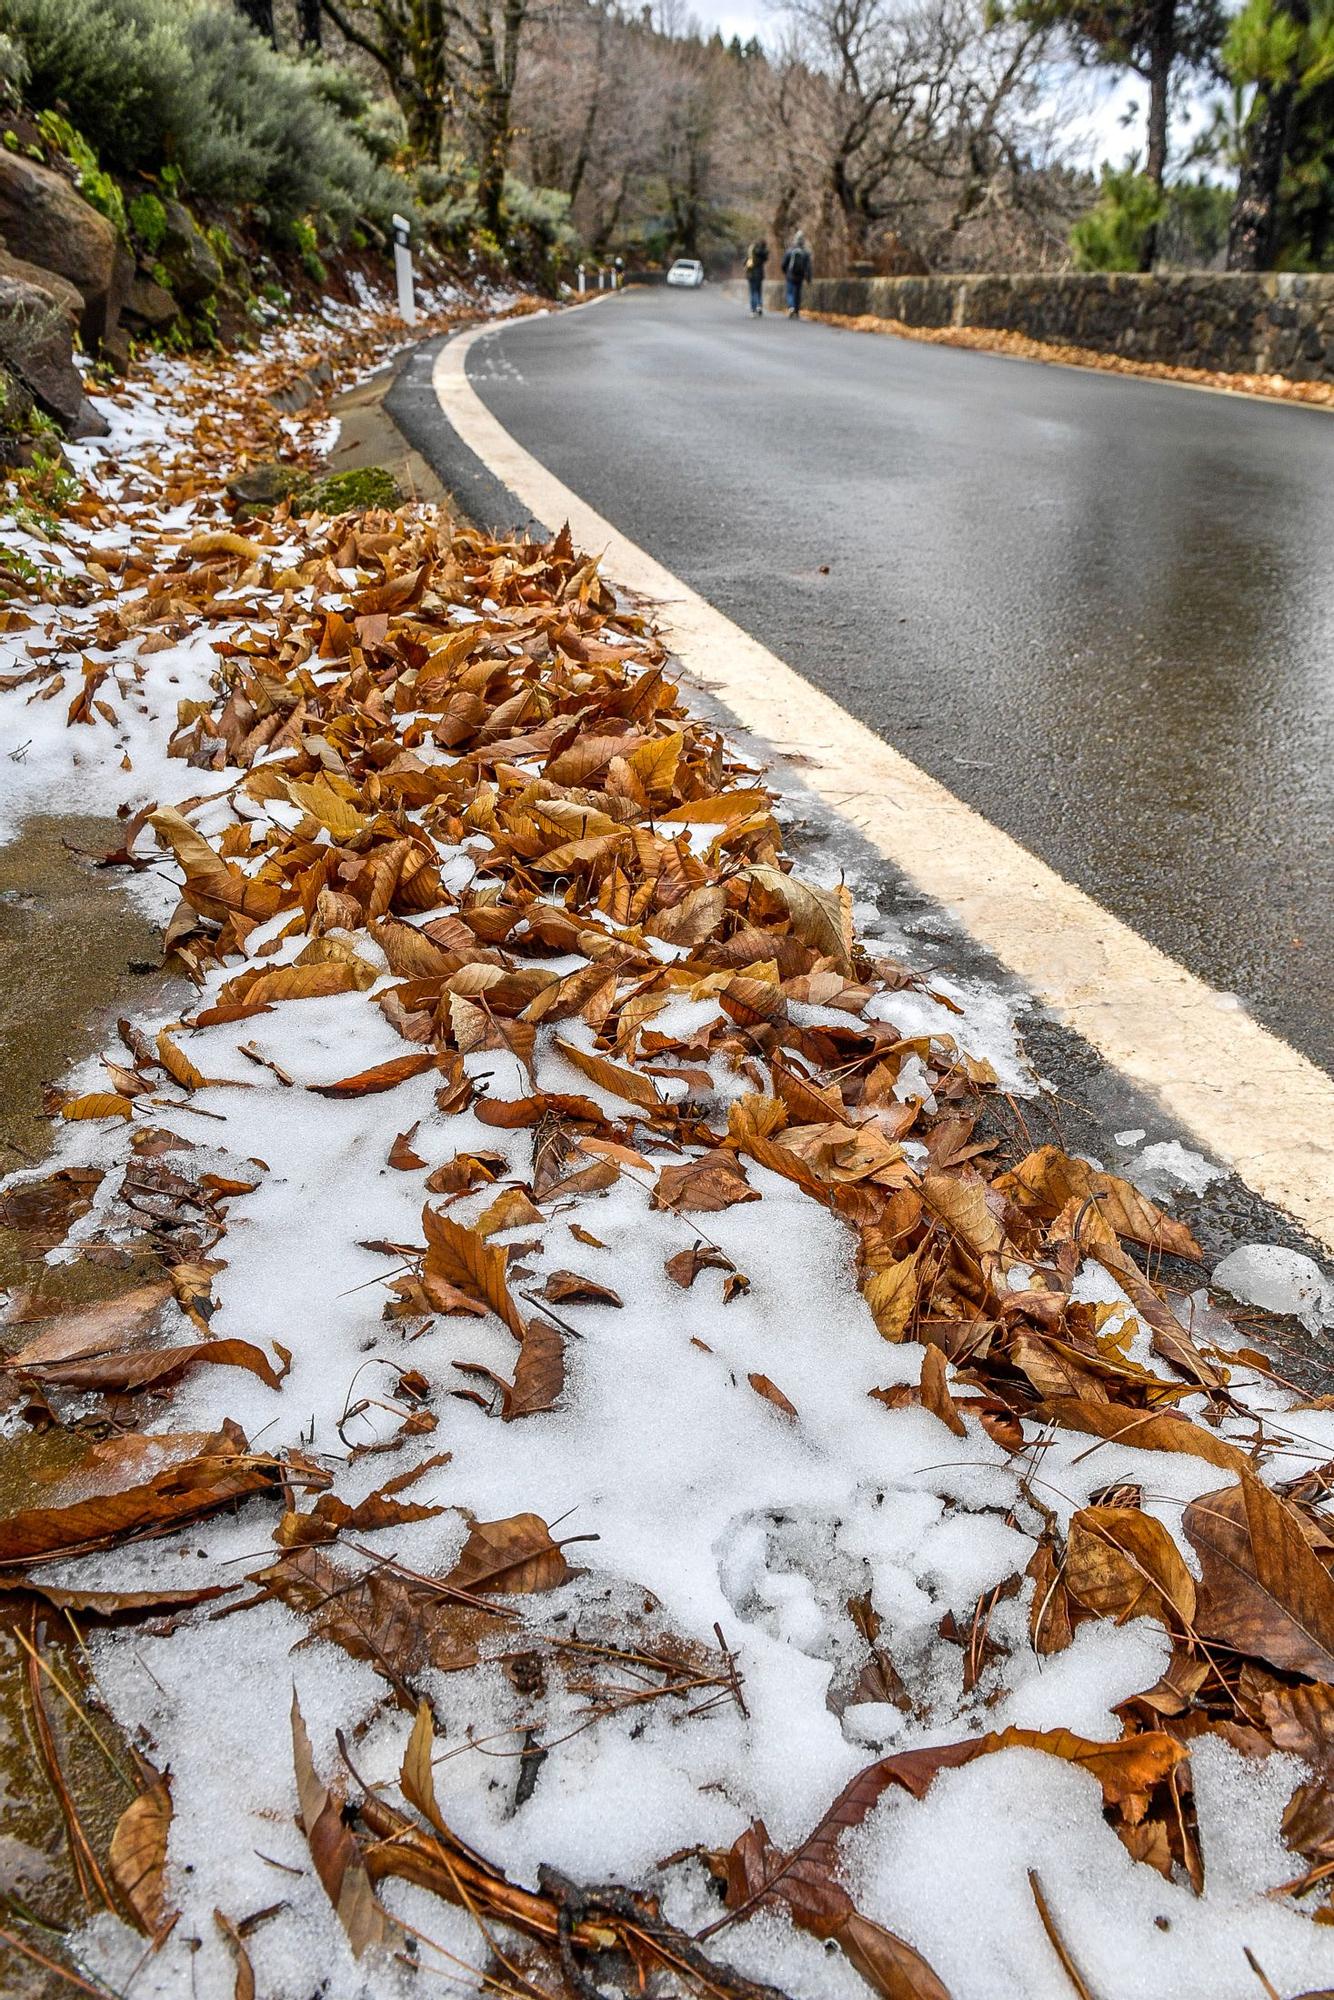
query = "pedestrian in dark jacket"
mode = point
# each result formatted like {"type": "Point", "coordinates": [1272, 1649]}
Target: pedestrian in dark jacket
{"type": "Point", "coordinates": [755, 263]}
{"type": "Point", "coordinates": [798, 270]}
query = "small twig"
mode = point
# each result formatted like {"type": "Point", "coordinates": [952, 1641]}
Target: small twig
{"type": "Point", "coordinates": [81, 1853]}
{"type": "Point", "coordinates": [1259, 1971]}
{"type": "Point", "coordinates": [1057, 1942]}
{"type": "Point", "coordinates": [56, 1681]}
{"type": "Point", "coordinates": [61, 1971]}
{"type": "Point", "coordinates": [286, 1866]}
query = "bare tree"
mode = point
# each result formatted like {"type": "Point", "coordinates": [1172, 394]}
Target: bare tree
{"type": "Point", "coordinates": [786, 113]}
{"type": "Point", "coordinates": [485, 37]}
{"type": "Point", "coordinates": [259, 13]}
{"type": "Point", "coordinates": [909, 133]}
{"type": "Point", "coordinates": [926, 104]}
{"type": "Point", "coordinates": [406, 41]}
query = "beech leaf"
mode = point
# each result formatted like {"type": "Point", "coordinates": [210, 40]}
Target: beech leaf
{"type": "Point", "coordinates": [1263, 1591]}
{"type": "Point", "coordinates": [337, 1858]}
{"type": "Point", "coordinates": [1123, 1564]}
{"type": "Point", "coordinates": [466, 1260]}
{"type": "Point", "coordinates": [138, 1858]}
{"type": "Point", "coordinates": [514, 1556]}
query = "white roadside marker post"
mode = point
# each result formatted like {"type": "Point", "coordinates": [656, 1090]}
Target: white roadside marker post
{"type": "Point", "coordinates": [407, 303]}
{"type": "Point", "coordinates": [581, 281]}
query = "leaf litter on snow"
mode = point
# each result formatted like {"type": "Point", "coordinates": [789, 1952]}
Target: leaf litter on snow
{"type": "Point", "coordinates": [611, 1468]}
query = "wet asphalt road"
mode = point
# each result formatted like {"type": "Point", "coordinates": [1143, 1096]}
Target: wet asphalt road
{"type": "Point", "coordinates": [1100, 610]}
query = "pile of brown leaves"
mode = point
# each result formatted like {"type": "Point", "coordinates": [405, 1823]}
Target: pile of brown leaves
{"type": "Point", "coordinates": [999, 340]}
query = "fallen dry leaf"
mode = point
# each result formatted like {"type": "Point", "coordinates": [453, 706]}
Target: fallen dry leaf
{"type": "Point", "coordinates": [149, 1368]}
{"type": "Point", "coordinates": [1262, 1591]}
{"type": "Point", "coordinates": [563, 1285]}
{"type": "Point", "coordinates": [195, 1476]}
{"type": "Point", "coordinates": [466, 1260]}
{"type": "Point", "coordinates": [772, 1394]}
{"type": "Point", "coordinates": [935, 1392]}
{"type": "Point", "coordinates": [1123, 1564]}
{"type": "Point", "coordinates": [138, 1858]}
{"type": "Point", "coordinates": [337, 1857]}
{"type": "Point", "coordinates": [703, 1186]}
{"type": "Point", "coordinates": [1048, 1179]}
{"type": "Point", "coordinates": [610, 1076]}
{"type": "Point", "coordinates": [401, 1156]}
{"type": "Point", "coordinates": [513, 1556]}
{"type": "Point", "coordinates": [370, 1082]}
{"type": "Point", "coordinates": [539, 1375]}
{"type": "Point", "coordinates": [398, 1624]}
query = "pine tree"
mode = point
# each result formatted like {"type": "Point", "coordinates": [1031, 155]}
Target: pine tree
{"type": "Point", "coordinates": [1155, 40]}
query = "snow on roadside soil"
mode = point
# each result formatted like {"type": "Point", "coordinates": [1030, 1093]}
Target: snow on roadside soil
{"type": "Point", "coordinates": [644, 1401]}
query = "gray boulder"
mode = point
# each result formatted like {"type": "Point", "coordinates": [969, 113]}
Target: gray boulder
{"type": "Point", "coordinates": [66, 296]}
{"type": "Point", "coordinates": [36, 346]}
{"type": "Point", "coordinates": [187, 257]}
{"type": "Point", "coordinates": [148, 304]}
{"type": "Point", "coordinates": [264, 485]}
{"type": "Point", "coordinates": [16, 406]}
{"type": "Point", "coordinates": [46, 222]}
{"type": "Point", "coordinates": [114, 339]}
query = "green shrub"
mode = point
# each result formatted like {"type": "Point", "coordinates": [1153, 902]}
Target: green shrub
{"type": "Point", "coordinates": [1111, 237]}
{"type": "Point", "coordinates": [382, 130]}
{"type": "Point", "coordinates": [19, 574]}
{"type": "Point", "coordinates": [1193, 231]}
{"type": "Point", "coordinates": [97, 188]}
{"type": "Point", "coordinates": [148, 219]}
{"type": "Point", "coordinates": [538, 233]}
{"type": "Point", "coordinates": [101, 192]}
{"type": "Point", "coordinates": [43, 491]}
{"type": "Point", "coordinates": [13, 70]}
{"type": "Point", "coordinates": [187, 82]}
{"type": "Point", "coordinates": [447, 197]}
{"type": "Point", "coordinates": [343, 92]}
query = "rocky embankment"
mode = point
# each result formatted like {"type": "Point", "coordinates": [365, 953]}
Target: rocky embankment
{"type": "Point", "coordinates": [66, 272]}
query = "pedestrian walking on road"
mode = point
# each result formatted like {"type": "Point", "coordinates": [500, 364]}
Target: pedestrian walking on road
{"type": "Point", "coordinates": [798, 270]}
{"type": "Point", "coordinates": [755, 263]}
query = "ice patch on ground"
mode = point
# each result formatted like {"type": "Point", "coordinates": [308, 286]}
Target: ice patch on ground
{"type": "Point", "coordinates": [1169, 1167]}
{"type": "Point", "coordinates": [1278, 1281]}
{"type": "Point", "coordinates": [982, 1021]}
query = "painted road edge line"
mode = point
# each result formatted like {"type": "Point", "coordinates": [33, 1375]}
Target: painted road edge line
{"type": "Point", "coordinates": [1252, 1102]}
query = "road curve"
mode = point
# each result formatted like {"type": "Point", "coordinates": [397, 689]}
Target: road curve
{"type": "Point", "coordinates": [1099, 610]}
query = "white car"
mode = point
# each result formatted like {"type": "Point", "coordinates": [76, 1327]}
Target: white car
{"type": "Point", "coordinates": [686, 271]}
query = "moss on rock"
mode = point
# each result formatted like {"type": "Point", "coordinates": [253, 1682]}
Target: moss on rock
{"type": "Point", "coordinates": [261, 487]}
{"type": "Point", "coordinates": [353, 492]}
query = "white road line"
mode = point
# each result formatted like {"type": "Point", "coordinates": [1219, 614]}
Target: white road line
{"type": "Point", "coordinates": [1248, 1099]}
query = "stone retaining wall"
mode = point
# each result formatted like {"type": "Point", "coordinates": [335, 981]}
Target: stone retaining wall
{"type": "Point", "coordinates": [1273, 323]}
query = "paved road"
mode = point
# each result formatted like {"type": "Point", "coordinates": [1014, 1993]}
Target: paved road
{"type": "Point", "coordinates": [1099, 610]}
